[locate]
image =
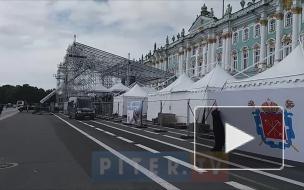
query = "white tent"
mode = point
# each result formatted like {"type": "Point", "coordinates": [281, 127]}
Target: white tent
{"type": "Point", "coordinates": [170, 99]}
{"type": "Point", "coordinates": [280, 85]}
{"type": "Point", "coordinates": [136, 93]}
{"type": "Point", "coordinates": [181, 84]}
{"type": "Point", "coordinates": [118, 87]}
{"type": "Point", "coordinates": [99, 88]}
{"type": "Point", "coordinates": [176, 96]}
{"type": "Point", "coordinates": [216, 78]}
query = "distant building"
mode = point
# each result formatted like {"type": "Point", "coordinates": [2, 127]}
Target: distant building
{"type": "Point", "coordinates": [260, 34]}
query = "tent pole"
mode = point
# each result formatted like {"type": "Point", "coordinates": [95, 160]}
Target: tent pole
{"type": "Point", "coordinates": [188, 136]}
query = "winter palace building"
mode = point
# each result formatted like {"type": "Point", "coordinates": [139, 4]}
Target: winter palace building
{"type": "Point", "coordinates": [246, 42]}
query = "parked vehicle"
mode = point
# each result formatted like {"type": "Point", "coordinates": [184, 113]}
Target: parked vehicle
{"type": "Point", "coordinates": [20, 105]}
{"type": "Point", "coordinates": [80, 108]}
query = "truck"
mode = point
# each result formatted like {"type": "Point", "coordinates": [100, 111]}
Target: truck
{"type": "Point", "coordinates": [81, 107]}
{"type": "Point", "coordinates": [20, 105]}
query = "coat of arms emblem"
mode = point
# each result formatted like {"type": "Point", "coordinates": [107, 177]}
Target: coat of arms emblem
{"type": "Point", "coordinates": [274, 125]}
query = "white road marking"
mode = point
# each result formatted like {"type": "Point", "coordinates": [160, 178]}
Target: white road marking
{"type": "Point", "coordinates": [124, 139]}
{"type": "Point", "coordinates": [210, 140]}
{"type": "Point", "coordinates": [87, 124]}
{"type": "Point", "coordinates": [154, 128]}
{"type": "Point", "coordinates": [238, 185]}
{"type": "Point", "coordinates": [186, 164]}
{"type": "Point", "coordinates": [171, 128]}
{"type": "Point", "coordinates": [151, 132]}
{"type": "Point", "coordinates": [210, 157]}
{"type": "Point", "coordinates": [147, 148]}
{"type": "Point", "coordinates": [174, 138]}
{"type": "Point", "coordinates": [99, 129]}
{"type": "Point", "coordinates": [109, 133]}
{"type": "Point", "coordinates": [140, 168]}
{"type": "Point", "coordinates": [176, 133]}
{"type": "Point", "coordinates": [202, 145]}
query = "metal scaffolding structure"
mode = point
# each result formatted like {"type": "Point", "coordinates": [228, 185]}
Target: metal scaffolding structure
{"type": "Point", "coordinates": [84, 66]}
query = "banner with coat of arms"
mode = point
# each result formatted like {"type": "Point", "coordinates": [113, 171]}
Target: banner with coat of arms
{"type": "Point", "coordinates": [270, 125]}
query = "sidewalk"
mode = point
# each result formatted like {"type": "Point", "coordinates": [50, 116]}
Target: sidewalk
{"type": "Point", "coordinates": [9, 112]}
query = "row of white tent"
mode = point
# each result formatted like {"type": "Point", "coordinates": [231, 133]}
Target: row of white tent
{"type": "Point", "coordinates": [175, 97]}
{"type": "Point", "coordinates": [282, 84]}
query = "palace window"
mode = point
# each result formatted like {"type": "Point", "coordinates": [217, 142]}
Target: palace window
{"type": "Point", "coordinates": [272, 25]}
{"type": "Point", "coordinates": [286, 46]}
{"type": "Point", "coordinates": [234, 60]}
{"type": "Point", "coordinates": [235, 37]}
{"type": "Point", "coordinates": [288, 19]}
{"type": "Point", "coordinates": [257, 31]}
{"type": "Point", "coordinates": [270, 52]}
{"type": "Point", "coordinates": [245, 58]}
{"type": "Point", "coordinates": [245, 34]}
{"type": "Point", "coordinates": [256, 54]}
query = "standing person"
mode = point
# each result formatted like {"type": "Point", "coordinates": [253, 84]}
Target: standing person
{"type": "Point", "coordinates": [218, 130]}
{"type": "Point", "coordinates": [1, 108]}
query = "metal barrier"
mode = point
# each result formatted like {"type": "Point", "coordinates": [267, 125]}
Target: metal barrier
{"type": "Point", "coordinates": [103, 108]}
{"type": "Point", "coordinates": [177, 113]}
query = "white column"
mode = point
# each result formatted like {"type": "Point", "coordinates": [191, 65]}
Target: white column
{"type": "Point", "coordinates": [196, 71]}
{"type": "Point", "coordinates": [209, 53]}
{"type": "Point", "coordinates": [228, 51]}
{"type": "Point", "coordinates": [224, 50]}
{"type": "Point", "coordinates": [213, 52]}
{"type": "Point", "coordinates": [296, 19]}
{"type": "Point", "coordinates": [263, 23]}
{"type": "Point", "coordinates": [279, 24]}
{"type": "Point", "coordinates": [186, 53]}
{"type": "Point", "coordinates": [180, 64]}
{"type": "Point", "coordinates": [204, 58]}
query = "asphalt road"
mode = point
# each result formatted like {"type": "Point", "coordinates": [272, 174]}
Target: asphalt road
{"type": "Point", "coordinates": [54, 152]}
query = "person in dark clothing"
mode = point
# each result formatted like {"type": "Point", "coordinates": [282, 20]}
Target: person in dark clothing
{"type": "Point", "coordinates": [218, 130]}
{"type": "Point", "coordinates": [1, 108]}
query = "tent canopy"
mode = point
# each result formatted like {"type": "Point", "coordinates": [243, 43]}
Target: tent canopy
{"type": "Point", "coordinates": [136, 91]}
{"type": "Point", "coordinates": [149, 90]}
{"type": "Point", "coordinates": [290, 69]}
{"type": "Point", "coordinates": [118, 87]}
{"type": "Point", "coordinates": [179, 85]}
{"type": "Point", "coordinates": [217, 77]}
{"type": "Point", "coordinates": [99, 88]}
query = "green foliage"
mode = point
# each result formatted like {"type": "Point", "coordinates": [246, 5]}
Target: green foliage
{"type": "Point", "coordinates": [27, 93]}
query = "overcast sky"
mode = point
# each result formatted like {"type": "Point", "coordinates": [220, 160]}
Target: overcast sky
{"type": "Point", "coordinates": [35, 34]}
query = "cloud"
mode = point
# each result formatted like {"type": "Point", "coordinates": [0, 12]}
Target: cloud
{"type": "Point", "coordinates": [35, 34]}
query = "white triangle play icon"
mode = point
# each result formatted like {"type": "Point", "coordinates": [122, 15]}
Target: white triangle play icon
{"type": "Point", "coordinates": [235, 138]}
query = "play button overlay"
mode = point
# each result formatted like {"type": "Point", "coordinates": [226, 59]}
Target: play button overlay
{"type": "Point", "coordinates": [240, 138]}
{"type": "Point", "coordinates": [235, 138]}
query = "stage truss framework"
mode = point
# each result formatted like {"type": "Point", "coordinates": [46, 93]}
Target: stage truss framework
{"type": "Point", "coordinates": [84, 66]}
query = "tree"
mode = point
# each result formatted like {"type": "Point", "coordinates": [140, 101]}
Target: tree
{"type": "Point", "coordinates": [27, 93]}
